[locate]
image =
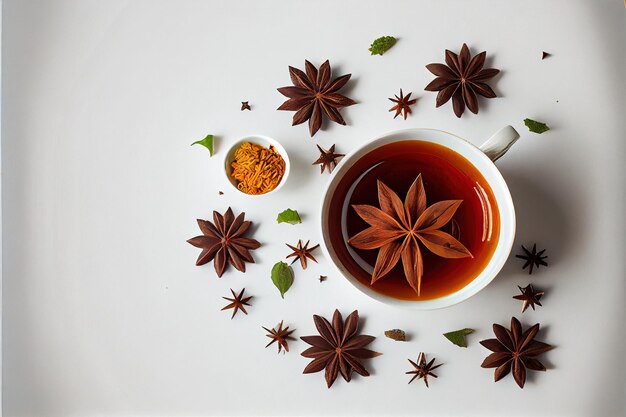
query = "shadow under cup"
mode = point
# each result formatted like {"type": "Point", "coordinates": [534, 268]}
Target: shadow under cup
{"type": "Point", "coordinates": [447, 175]}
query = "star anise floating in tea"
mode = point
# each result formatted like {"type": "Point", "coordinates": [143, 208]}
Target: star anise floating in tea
{"type": "Point", "coordinates": [245, 106]}
{"type": "Point", "coordinates": [223, 241]}
{"type": "Point", "coordinates": [238, 302]}
{"type": "Point", "coordinates": [529, 297]}
{"type": "Point", "coordinates": [328, 159]}
{"type": "Point", "coordinates": [462, 78]}
{"type": "Point", "coordinates": [402, 104]}
{"type": "Point", "coordinates": [280, 336]}
{"type": "Point", "coordinates": [532, 258]}
{"type": "Point", "coordinates": [338, 349]}
{"type": "Point", "coordinates": [397, 228]}
{"type": "Point", "coordinates": [314, 96]}
{"type": "Point", "coordinates": [514, 350]}
{"type": "Point", "coordinates": [422, 369]}
{"type": "Point", "coordinates": [302, 253]}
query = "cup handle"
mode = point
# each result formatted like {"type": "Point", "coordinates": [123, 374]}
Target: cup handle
{"type": "Point", "coordinates": [500, 142]}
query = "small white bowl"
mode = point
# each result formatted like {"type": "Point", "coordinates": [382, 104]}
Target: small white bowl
{"type": "Point", "coordinates": [264, 141]}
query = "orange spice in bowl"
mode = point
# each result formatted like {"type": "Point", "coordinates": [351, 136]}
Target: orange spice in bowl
{"type": "Point", "coordinates": [256, 169]}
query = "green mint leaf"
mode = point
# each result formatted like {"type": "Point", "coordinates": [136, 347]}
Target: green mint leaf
{"type": "Point", "coordinates": [206, 142]}
{"type": "Point", "coordinates": [282, 277]}
{"type": "Point", "coordinates": [535, 126]}
{"type": "Point", "coordinates": [382, 45]}
{"type": "Point", "coordinates": [289, 216]}
{"type": "Point", "coordinates": [458, 336]}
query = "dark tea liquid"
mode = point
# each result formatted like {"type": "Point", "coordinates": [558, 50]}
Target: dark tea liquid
{"type": "Point", "coordinates": [447, 176]}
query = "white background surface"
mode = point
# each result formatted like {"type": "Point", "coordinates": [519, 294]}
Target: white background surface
{"type": "Point", "coordinates": [104, 312]}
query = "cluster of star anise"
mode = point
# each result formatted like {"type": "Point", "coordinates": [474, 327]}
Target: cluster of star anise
{"type": "Point", "coordinates": [399, 229]}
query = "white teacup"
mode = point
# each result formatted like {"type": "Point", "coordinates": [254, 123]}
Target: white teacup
{"type": "Point", "coordinates": [482, 158]}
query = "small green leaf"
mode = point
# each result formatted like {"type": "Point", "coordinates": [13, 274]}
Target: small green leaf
{"type": "Point", "coordinates": [206, 142]}
{"type": "Point", "coordinates": [282, 277]}
{"type": "Point", "coordinates": [382, 45]}
{"type": "Point", "coordinates": [458, 336]}
{"type": "Point", "coordinates": [535, 126]}
{"type": "Point", "coordinates": [289, 216]}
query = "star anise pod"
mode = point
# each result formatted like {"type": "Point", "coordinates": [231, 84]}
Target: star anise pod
{"type": "Point", "coordinates": [327, 159]}
{"type": "Point", "coordinates": [455, 229]}
{"type": "Point", "coordinates": [280, 336]}
{"type": "Point", "coordinates": [339, 348]}
{"type": "Point", "coordinates": [529, 296]}
{"type": "Point", "coordinates": [514, 350]}
{"type": "Point", "coordinates": [403, 104]}
{"type": "Point", "coordinates": [237, 302]}
{"type": "Point", "coordinates": [302, 253]}
{"type": "Point", "coordinates": [223, 241]}
{"type": "Point", "coordinates": [423, 369]}
{"type": "Point", "coordinates": [461, 79]}
{"type": "Point", "coordinates": [532, 258]}
{"type": "Point", "coordinates": [314, 95]}
{"type": "Point", "coordinates": [397, 228]}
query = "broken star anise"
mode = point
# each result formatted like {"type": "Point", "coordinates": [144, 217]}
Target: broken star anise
{"type": "Point", "coordinates": [533, 258]}
{"type": "Point", "coordinates": [461, 79]}
{"type": "Point", "coordinates": [327, 159]}
{"type": "Point", "coordinates": [403, 104]}
{"type": "Point", "coordinates": [423, 369]}
{"type": "Point", "coordinates": [514, 350]}
{"type": "Point", "coordinates": [338, 348]}
{"type": "Point", "coordinates": [396, 229]}
{"type": "Point", "coordinates": [223, 241]}
{"type": "Point", "coordinates": [280, 336]}
{"type": "Point", "coordinates": [396, 334]}
{"type": "Point", "coordinates": [302, 253]}
{"type": "Point", "coordinates": [238, 302]}
{"type": "Point", "coordinates": [529, 297]}
{"type": "Point", "coordinates": [314, 95]}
